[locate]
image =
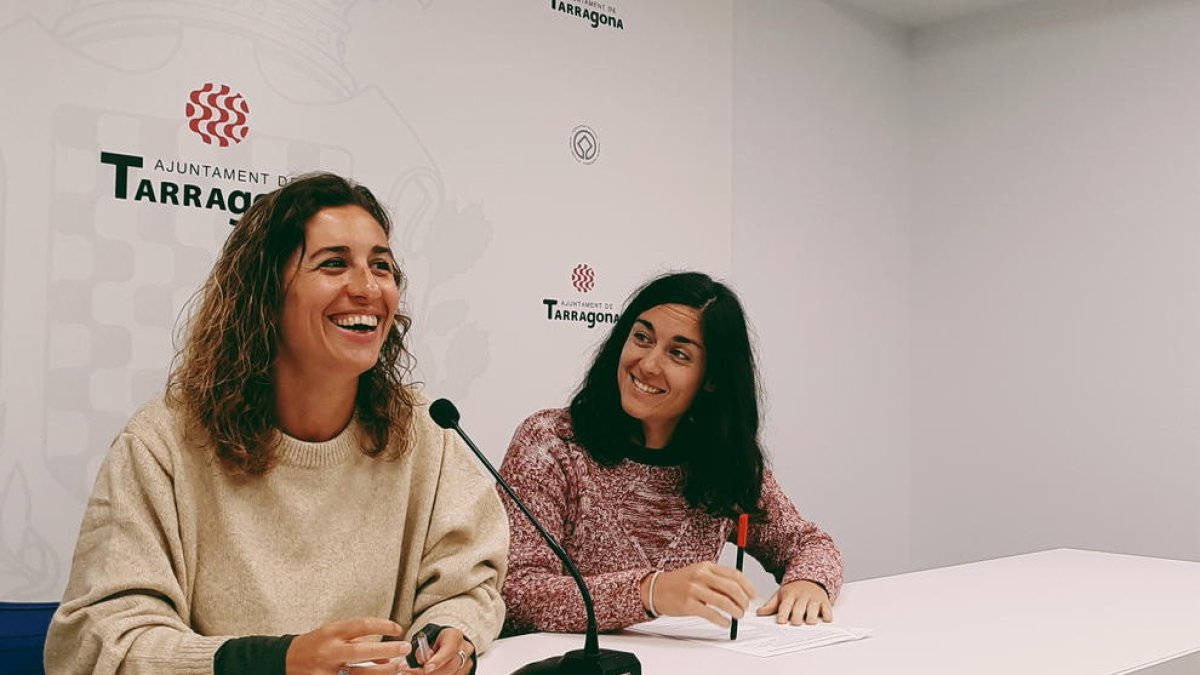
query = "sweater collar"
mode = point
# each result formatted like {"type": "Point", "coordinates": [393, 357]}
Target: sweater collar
{"type": "Point", "coordinates": [672, 455]}
{"type": "Point", "coordinates": [309, 455]}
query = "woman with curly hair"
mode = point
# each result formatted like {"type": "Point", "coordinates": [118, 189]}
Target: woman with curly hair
{"type": "Point", "coordinates": [643, 476]}
{"type": "Point", "coordinates": [289, 499]}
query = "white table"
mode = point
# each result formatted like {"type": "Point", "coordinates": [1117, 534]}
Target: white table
{"type": "Point", "coordinates": [1059, 612]}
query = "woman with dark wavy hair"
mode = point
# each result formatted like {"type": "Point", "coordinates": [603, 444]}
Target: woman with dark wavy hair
{"type": "Point", "coordinates": [289, 500]}
{"type": "Point", "coordinates": [644, 475]}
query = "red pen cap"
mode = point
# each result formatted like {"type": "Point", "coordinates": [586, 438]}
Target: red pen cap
{"type": "Point", "coordinates": [743, 526]}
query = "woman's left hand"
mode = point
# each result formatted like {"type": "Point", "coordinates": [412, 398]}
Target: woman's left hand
{"type": "Point", "coordinates": [798, 602]}
{"type": "Point", "coordinates": [452, 655]}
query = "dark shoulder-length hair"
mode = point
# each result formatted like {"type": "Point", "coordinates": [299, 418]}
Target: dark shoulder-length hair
{"type": "Point", "coordinates": [222, 377]}
{"type": "Point", "coordinates": [718, 435]}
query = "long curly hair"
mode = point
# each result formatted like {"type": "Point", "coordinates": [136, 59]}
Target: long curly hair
{"type": "Point", "coordinates": [724, 460]}
{"type": "Point", "coordinates": [222, 377]}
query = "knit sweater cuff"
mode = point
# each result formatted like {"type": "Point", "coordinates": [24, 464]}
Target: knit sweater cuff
{"type": "Point", "coordinates": [629, 605]}
{"type": "Point", "coordinates": [814, 574]}
{"type": "Point", "coordinates": [194, 655]}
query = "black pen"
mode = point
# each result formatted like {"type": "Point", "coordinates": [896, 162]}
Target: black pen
{"type": "Point", "coordinates": [743, 526]}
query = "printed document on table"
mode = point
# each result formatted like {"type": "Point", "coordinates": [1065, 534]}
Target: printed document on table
{"type": "Point", "coordinates": [757, 635]}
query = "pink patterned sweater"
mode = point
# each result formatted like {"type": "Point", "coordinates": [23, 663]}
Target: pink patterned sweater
{"type": "Point", "coordinates": [621, 523]}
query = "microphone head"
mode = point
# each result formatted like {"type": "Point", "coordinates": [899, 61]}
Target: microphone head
{"type": "Point", "coordinates": [444, 414]}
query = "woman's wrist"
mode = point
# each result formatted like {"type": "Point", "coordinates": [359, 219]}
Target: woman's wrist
{"type": "Point", "coordinates": [647, 586]}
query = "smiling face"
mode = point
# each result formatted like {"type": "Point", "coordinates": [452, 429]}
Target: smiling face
{"type": "Point", "coordinates": [661, 368]}
{"type": "Point", "coordinates": [340, 298]}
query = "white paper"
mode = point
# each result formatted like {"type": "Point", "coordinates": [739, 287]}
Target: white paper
{"type": "Point", "coordinates": [757, 635]}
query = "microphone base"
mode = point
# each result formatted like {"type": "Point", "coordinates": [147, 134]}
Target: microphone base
{"type": "Point", "coordinates": [605, 662]}
{"type": "Point", "coordinates": [577, 662]}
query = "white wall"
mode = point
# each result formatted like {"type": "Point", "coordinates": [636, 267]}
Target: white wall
{"type": "Point", "coordinates": [1056, 281]}
{"type": "Point", "coordinates": [970, 252]}
{"type": "Point", "coordinates": [820, 257]}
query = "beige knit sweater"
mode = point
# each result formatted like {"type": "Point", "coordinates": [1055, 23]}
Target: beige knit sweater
{"type": "Point", "coordinates": [174, 557]}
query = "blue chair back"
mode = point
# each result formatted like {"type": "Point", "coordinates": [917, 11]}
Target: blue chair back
{"type": "Point", "coordinates": [23, 627]}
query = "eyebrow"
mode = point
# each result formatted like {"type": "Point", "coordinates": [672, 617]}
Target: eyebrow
{"type": "Point", "coordinates": [677, 338]}
{"type": "Point", "coordinates": [346, 249]}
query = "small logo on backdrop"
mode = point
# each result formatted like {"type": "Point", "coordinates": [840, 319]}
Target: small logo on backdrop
{"type": "Point", "coordinates": [584, 144]}
{"type": "Point", "coordinates": [595, 12]}
{"type": "Point", "coordinates": [583, 278]}
{"type": "Point", "coordinates": [218, 115]}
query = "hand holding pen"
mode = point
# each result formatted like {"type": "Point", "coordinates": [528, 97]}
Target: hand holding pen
{"type": "Point", "coordinates": [449, 654]}
{"type": "Point", "coordinates": [703, 589]}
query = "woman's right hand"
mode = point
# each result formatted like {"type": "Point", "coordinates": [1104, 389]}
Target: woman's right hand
{"type": "Point", "coordinates": [331, 647]}
{"type": "Point", "coordinates": [700, 589]}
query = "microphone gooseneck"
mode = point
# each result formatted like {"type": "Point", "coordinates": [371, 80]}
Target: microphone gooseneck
{"type": "Point", "coordinates": [446, 416]}
{"type": "Point", "coordinates": [592, 659]}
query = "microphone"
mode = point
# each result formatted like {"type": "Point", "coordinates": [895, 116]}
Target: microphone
{"type": "Point", "coordinates": [591, 660]}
